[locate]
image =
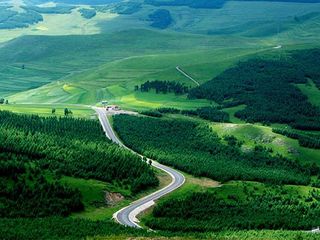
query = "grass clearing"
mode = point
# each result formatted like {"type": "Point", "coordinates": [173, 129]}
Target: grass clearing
{"type": "Point", "coordinates": [93, 190]}
{"type": "Point", "coordinates": [46, 109]}
{"type": "Point", "coordinates": [254, 134]}
{"type": "Point", "coordinates": [311, 91]}
{"type": "Point", "coordinates": [236, 188]}
{"type": "Point", "coordinates": [232, 110]}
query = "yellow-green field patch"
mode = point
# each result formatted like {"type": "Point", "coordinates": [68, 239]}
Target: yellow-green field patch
{"type": "Point", "coordinates": [46, 109]}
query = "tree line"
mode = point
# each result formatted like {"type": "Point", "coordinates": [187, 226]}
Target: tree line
{"type": "Point", "coordinates": [161, 18]}
{"type": "Point", "coordinates": [213, 114]}
{"type": "Point", "coordinates": [305, 139]}
{"type": "Point", "coordinates": [163, 87]}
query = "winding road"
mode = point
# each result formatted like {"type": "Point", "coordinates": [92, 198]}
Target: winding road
{"type": "Point", "coordinates": [128, 215]}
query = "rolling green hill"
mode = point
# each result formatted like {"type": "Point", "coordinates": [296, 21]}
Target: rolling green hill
{"type": "Point", "coordinates": [125, 50]}
{"type": "Point", "coordinates": [41, 59]}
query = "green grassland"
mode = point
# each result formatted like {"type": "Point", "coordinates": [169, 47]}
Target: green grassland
{"type": "Point", "coordinates": [125, 51]}
{"type": "Point", "coordinates": [115, 81]}
{"type": "Point", "coordinates": [119, 55]}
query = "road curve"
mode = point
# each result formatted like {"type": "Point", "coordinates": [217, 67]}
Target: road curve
{"type": "Point", "coordinates": [128, 215]}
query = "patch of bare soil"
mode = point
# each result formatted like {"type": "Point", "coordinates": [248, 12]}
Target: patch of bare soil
{"type": "Point", "coordinates": [113, 198]}
{"type": "Point", "coordinates": [204, 182]}
{"type": "Point", "coordinates": [279, 141]}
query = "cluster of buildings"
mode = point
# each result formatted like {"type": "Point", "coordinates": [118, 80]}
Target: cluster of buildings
{"type": "Point", "coordinates": [110, 107]}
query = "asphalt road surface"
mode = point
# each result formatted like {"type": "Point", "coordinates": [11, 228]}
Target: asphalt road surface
{"type": "Point", "coordinates": [127, 215]}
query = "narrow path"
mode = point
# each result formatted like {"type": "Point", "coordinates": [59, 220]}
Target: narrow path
{"type": "Point", "coordinates": [128, 215]}
{"type": "Point", "coordinates": [187, 75]}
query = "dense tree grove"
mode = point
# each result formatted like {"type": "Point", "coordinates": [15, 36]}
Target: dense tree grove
{"type": "Point", "coordinates": [164, 87]}
{"type": "Point", "coordinates": [267, 89]}
{"type": "Point", "coordinates": [25, 192]}
{"type": "Point", "coordinates": [73, 147]}
{"type": "Point", "coordinates": [161, 18]}
{"type": "Point", "coordinates": [196, 149]}
{"type": "Point", "coordinates": [4, 101]}
{"type": "Point", "coordinates": [151, 113]}
{"type": "Point", "coordinates": [305, 139]}
{"type": "Point", "coordinates": [57, 228]}
{"type": "Point", "coordinates": [208, 113]}
{"type": "Point", "coordinates": [207, 211]}
{"type": "Point", "coordinates": [169, 110]}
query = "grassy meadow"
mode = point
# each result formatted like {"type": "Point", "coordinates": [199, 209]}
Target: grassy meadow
{"type": "Point", "coordinates": [103, 58]}
{"type": "Point", "coordinates": [115, 81]}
